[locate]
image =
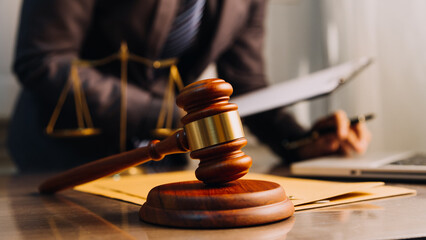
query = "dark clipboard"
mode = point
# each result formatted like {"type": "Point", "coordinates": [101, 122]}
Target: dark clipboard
{"type": "Point", "coordinates": [304, 88]}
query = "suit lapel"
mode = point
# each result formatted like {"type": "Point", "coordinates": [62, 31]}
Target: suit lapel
{"type": "Point", "coordinates": [163, 20]}
{"type": "Point", "coordinates": [231, 15]}
{"type": "Point", "coordinates": [228, 18]}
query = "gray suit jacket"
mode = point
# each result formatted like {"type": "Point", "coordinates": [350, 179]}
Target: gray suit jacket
{"type": "Point", "coordinates": [52, 33]}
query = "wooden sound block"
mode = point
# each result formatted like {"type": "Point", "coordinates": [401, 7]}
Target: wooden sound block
{"type": "Point", "coordinates": [193, 204]}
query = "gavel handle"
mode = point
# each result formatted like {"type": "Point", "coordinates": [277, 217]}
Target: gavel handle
{"type": "Point", "coordinates": [155, 150]}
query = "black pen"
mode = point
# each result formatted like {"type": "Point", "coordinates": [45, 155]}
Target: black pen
{"type": "Point", "coordinates": [313, 135]}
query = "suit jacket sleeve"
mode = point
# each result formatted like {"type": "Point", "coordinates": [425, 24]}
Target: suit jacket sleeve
{"type": "Point", "coordinates": [50, 36]}
{"type": "Point", "coordinates": [243, 66]}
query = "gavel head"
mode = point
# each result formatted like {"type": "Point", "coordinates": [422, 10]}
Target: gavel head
{"type": "Point", "coordinates": [214, 131]}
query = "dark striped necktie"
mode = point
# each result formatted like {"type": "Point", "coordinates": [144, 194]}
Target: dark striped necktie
{"type": "Point", "coordinates": [184, 29]}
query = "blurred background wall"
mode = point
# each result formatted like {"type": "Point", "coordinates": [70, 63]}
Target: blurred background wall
{"type": "Point", "coordinates": [304, 36]}
{"type": "Point", "coordinates": [9, 14]}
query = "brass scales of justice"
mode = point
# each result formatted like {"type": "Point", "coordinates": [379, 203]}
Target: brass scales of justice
{"type": "Point", "coordinates": [213, 134]}
{"type": "Point", "coordinates": [85, 126]}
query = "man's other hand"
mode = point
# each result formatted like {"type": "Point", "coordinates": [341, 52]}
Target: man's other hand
{"type": "Point", "coordinates": [346, 139]}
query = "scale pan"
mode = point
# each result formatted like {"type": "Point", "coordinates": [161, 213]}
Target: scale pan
{"type": "Point", "coordinates": [162, 133]}
{"type": "Point", "coordinates": [79, 132]}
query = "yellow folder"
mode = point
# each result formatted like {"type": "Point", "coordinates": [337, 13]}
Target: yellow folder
{"type": "Point", "coordinates": [304, 193]}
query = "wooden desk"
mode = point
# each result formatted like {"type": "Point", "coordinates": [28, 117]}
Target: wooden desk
{"type": "Point", "coordinates": [24, 214]}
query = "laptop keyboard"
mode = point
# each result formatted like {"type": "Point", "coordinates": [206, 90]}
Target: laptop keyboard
{"type": "Point", "coordinates": [415, 160]}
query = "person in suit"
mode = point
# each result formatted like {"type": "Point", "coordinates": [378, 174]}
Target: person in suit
{"type": "Point", "coordinates": [228, 33]}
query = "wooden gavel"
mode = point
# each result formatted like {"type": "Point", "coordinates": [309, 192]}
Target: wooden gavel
{"type": "Point", "coordinates": [212, 132]}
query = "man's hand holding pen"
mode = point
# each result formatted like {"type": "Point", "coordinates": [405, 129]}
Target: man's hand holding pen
{"type": "Point", "coordinates": [334, 134]}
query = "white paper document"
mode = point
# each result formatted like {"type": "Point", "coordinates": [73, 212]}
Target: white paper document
{"type": "Point", "coordinates": [295, 90]}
